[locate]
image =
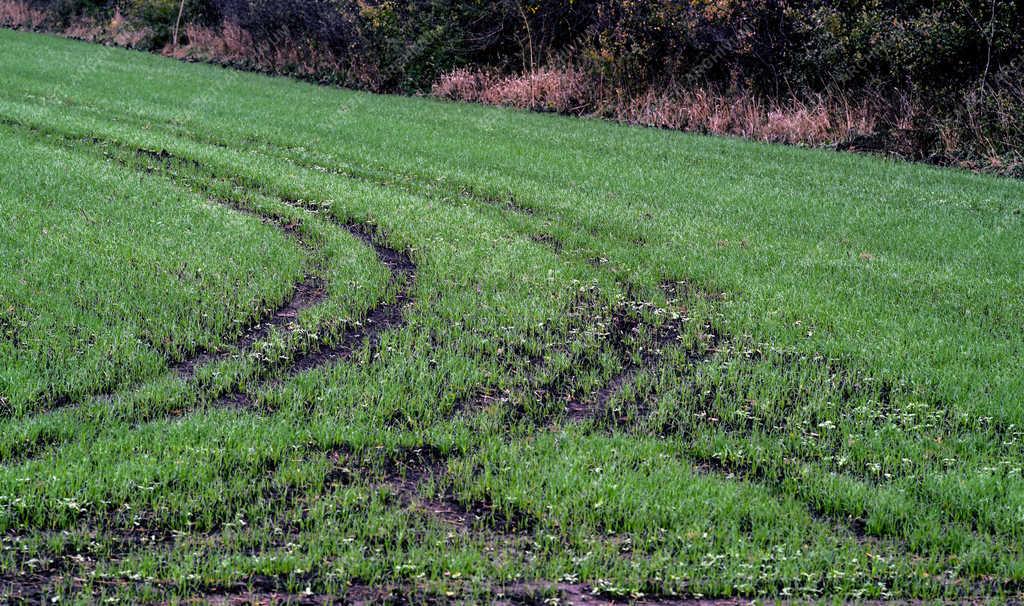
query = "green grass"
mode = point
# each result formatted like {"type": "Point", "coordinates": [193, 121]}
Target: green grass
{"type": "Point", "coordinates": [634, 360]}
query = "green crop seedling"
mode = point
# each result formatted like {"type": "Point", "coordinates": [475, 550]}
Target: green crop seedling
{"type": "Point", "coordinates": [270, 342]}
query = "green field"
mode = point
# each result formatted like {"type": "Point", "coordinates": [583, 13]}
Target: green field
{"type": "Point", "coordinates": [266, 341]}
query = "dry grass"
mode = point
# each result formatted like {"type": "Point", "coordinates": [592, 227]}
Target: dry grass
{"type": "Point", "coordinates": [559, 90]}
{"type": "Point", "coordinates": [823, 119]}
{"type": "Point", "coordinates": [117, 31]}
{"type": "Point", "coordinates": [232, 44]}
{"type": "Point", "coordinates": [896, 126]}
{"type": "Point", "coordinates": [20, 15]}
{"type": "Point", "coordinates": [228, 44]}
{"type": "Point", "coordinates": [461, 85]}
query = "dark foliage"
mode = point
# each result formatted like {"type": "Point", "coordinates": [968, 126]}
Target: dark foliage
{"type": "Point", "coordinates": [957, 61]}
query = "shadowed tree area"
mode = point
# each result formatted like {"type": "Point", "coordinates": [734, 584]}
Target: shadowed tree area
{"type": "Point", "coordinates": [927, 81]}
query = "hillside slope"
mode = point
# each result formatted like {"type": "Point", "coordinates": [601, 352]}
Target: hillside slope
{"type": "Point", "coordinates": [261, 339]}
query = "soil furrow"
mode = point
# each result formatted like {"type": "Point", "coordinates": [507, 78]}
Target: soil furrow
{"type": "Point", "coordinates": [406, 472]}
{"type": "Point", "coordinates": [309, 292]}
{"type": "Point", "coordinates": [383, 317]}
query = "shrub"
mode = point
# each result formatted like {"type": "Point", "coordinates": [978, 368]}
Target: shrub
{"type": "Point", "coordinates": [766, 68]}
{"type": "Point", "coordinates": [19, 15]}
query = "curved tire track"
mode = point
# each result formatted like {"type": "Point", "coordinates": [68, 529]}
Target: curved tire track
{"type": "Point", "coordinates": [383, 317]}
{"type": "Point", "coordinates": [366, 333]}
{"type": "Point", "coordinates": [309, 292]}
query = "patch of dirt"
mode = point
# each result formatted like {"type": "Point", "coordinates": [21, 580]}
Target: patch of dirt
{"type": "Point", "coordinates": [625, 329]}
{"type": "Point", "coordinates": [687, 290]}
{"type": "Point", "coordinates": [234, 401]}
{"type": "Point", "coordinates": [266, 591]}
{"type": "Point", "coordinates": [162, 157]}
{"type": "Point", "coordinates": [259, 590]}
{"type": "Point", "coordinates": [627, 336]}
{"type": "Point", "coordinates": [479, 399]}
{"type": "Point", "coordinates": [43, 575]}
{"type": "Point", "coordinates": [548, 240]}
{"type": "Point", "coordinates": [27, 588]}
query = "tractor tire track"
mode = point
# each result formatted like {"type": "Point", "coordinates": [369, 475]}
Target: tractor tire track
{"type": "Point", "coordinates": [405, 472]}
{"type": "Point", "coordinates": [594, 406]}
{"type": "Point", "coordinates": [311, 291]}
{"type": "Point", "coordinates": [383, 317]}
{"type": "Point", "coordinates": [368, 332]}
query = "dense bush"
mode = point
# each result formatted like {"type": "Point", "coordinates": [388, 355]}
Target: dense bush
{"type": "Point", "coordinates": [940, 74]}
